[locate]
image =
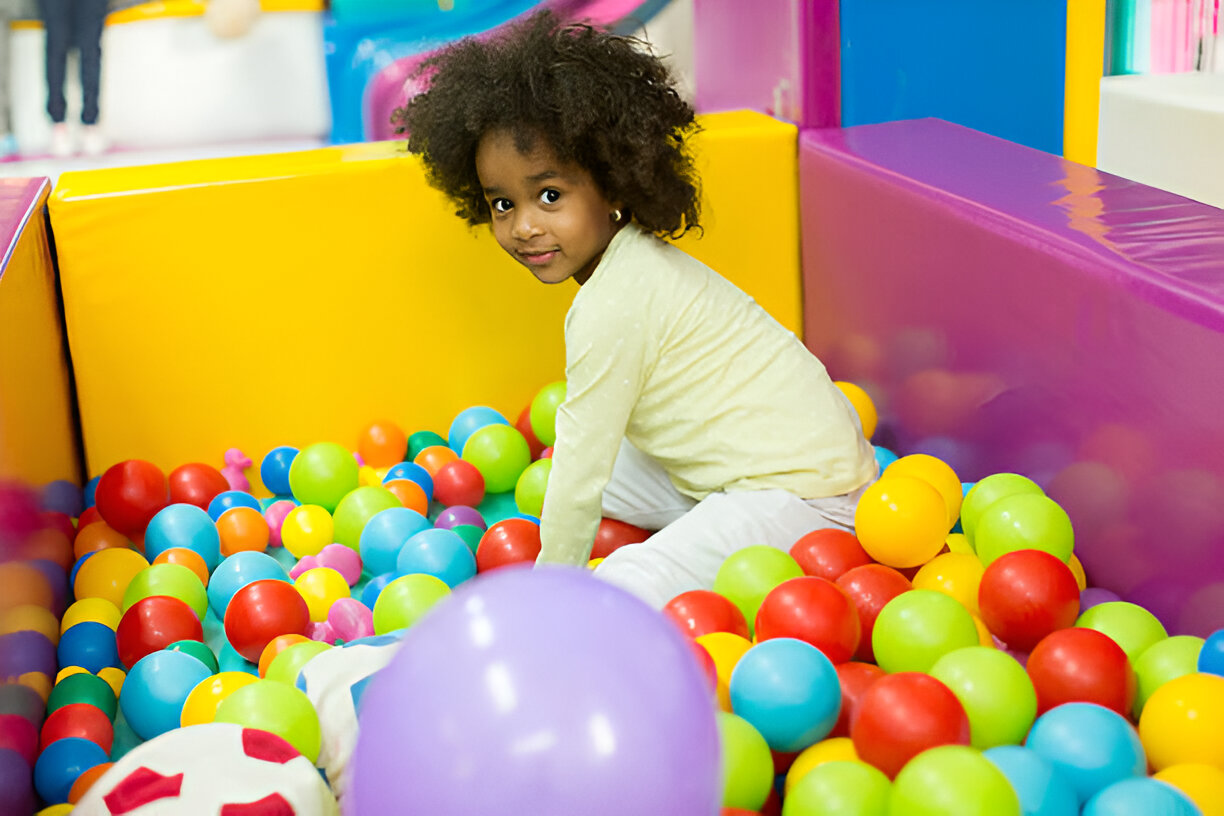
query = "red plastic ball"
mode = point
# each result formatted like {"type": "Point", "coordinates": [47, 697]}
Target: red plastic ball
{"type": "Point", "coordinates": [513, 541]}
{"type": "Point", "coordinates": [829, 553]}
{"type": "Point", "coordinates": [855, 678]}
{"type": "Point", "coordinates": [89, 515]}
{"type": "Point", "coordinates": [458, 483]}
{"type": "Point", "coordinates": [1025, 595]}
{"type": "Point", "coordinates": [78, 720]}
{"type": "Point", "coordinates": [21, 735]}
{"type": "Point", "coordinates": [129, 494]}
{"type": "Point", "coordinates": [814, 610]}
{"type": "Point", "coordinates": [261, 611]}
{"type": "Point", "coordinates": [61, 522]}
{"type": "Point", "coordinates": [870, 587]}
{"type": "Point", "coordinates": [613, 534]}
{"type": "Point", "coordinates": [197, 484]}
{"type": "Point", "coordinates": [701, 611]}
{"type": "Point", "coordinates": [523, 424]}
{"type": "Point", "coordinates": [154, 623]}
{"type": "Point", "coordinates": [901, 715]}
{"type": "Point", "coordinates": [1081, 666]}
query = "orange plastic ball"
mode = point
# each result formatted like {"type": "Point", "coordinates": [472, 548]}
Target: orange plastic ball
{"type": "Point", "coordinates": [86, 780]}
{"type": "Point", "coordinates": [242, 529]}
{"type": "Point", "coordinates": [382, 444]}
{"type": "Point", "coordinates": [410, 494]}
{"type": "Point", "coordinates": [190, 559]}
{"type": "Point", "coordinates": [98, 536]}
{"type": "Point", "coordinates": [434, 457]}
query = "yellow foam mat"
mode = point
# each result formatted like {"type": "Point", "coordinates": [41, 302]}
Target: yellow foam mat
{"type": "Point", "coordinates": [288, 299]}
{"type": "Point", "coordinates": [1082, 92]}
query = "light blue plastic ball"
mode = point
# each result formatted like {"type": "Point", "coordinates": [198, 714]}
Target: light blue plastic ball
{"type": "Point", "coordinates": [385, 534]}
{"type": "Point", "coordinates": [237, 571]}
{"type": "Point", "coordinates": [788, 690]}
{"type": "Point", "coordinates": [440, 553]}
{"type": "Point", "coordinates": [274, 470]}
{"type": "Point", "coordinates": [1042, 791]}
{"type": "Point", "coordinates": [155, 690]}
{"type": "Point", "coordinates": [1140, 797]}
{"type": "Point", "coordinates": [230, 499]}
{"type": "Point", "coordinates": [468, 422]}
{"type": "Point", "coordinates": [884, 457]}
{"type": "Point", "coordinates": [1090, 745]}
{"type": "Point", "coordinates": [413, 473]}
{"type": "Point", "coordinates": [59, 765]}
{"type": "Point", "coordinates": [183, 525]}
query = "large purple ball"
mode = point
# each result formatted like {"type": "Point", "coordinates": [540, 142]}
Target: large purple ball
{"type": "Point", "coordinates": [545, 692]}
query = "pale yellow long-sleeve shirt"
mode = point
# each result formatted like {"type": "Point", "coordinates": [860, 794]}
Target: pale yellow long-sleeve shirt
{"type": "Point", "coordinates": [664, 351]}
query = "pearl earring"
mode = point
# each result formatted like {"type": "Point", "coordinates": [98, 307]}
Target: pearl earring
{"type": "Point", "coordinates": [616, 215]}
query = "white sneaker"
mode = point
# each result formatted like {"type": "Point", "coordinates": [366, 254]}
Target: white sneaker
{"type": "Point", "coordinates": [93, 140]}
{"type": "Point", "coordinates": [8, 146]}
{"type": "Point", "coordinates": [61, 141]}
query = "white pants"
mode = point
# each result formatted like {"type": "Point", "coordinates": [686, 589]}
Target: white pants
{"type": "Point", "coordinates": [694, 538]}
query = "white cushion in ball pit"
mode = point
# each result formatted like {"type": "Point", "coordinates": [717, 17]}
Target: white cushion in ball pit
{"type": "Point", "coordinates": [334, 681]}
{"type": "Point", "coordinates": [206, 770]}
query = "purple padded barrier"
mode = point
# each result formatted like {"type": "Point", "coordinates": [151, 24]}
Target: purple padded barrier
{"type": "Point", "coordinates": [1014, 311]}
{"type": "Point", "coordinates": [19, 197]}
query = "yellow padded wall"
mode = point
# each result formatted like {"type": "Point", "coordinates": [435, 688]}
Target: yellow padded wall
{"type": "Point", "coordinates": [288, 299]}
{"type": "Point", "coordinates": [37, 438]}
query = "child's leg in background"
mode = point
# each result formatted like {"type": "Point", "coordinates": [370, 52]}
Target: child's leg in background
{"type": "Point", "coordinates": [7, 16]}
{"type": "Point", "coordinates": [57, 21]}
{"type": "Point", "coordinates": [639, 492]}
{"type": "Point", "coordinates": [686, 554]}
{"type": "Point", "coordinates": [89, 19]}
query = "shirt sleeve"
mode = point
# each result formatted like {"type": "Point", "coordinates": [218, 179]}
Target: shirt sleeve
{"type": "Point", "coordinates": [606, 361]}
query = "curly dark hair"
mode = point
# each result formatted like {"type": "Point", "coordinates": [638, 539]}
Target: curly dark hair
{"type": "Point", "coordinates": [597, 99]}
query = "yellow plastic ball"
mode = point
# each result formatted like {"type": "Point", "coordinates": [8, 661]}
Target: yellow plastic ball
{"type": "Point", "coordinates": [97, 610]}
{"type": "Point", "coordinates": [594, 562]}
{"type": "Point", "coordinates": [30, 618]}
{"type": "Point", "coordinates": [1077, 569]}
{"type": "Point", "coordinates": [863, 406]}
{"type": "Point", "coordinates": [204, 700]}
{"type": "Point", "coordinates": [368, 477]}
{"type": "Point", "coordinates": [320, 588]}
{"type": "Point", "coordinates": [114, 678]}
{"type": "Point", "coordinates": [837, 749]}
{"type": "Point", "coordinates": [1204, 784]}
{"type": "Point", "coordinates": [1183, 722]}
{"type": "Point", "coordinates": [726, 649]}
{"type": "Point", "coordinates": [107, 573]}
{"type": "Point", "coordinates": [955, 574]}
{"type": "Point", "coordinates": [61, 809]}
{"type": "Point", "coordinates": [959, 543]}
{"type": "Point", "coordinates": [306, 530]}
{"type": "Point", "coordinates": [68, 671]}
{"type": "Point", "coordinates": [901, 521]}
{"type": "Point", "coordinates": [938, 474]}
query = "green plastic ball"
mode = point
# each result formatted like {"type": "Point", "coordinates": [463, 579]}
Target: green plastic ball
{"type": "Point", "coordinates": [750, 574]}
{"type": "Point", "coordinates": [286, 666]}
{"type": "Point", "coordinates": [996, 693]}
{"type": "Point", "coordinates": [1023, 521]}
{"type": "Point", "coordinates": [471, 535]}
{"type": "Point", "coordinates": [355, 511]}
{"type": "Point", "coordinates": [988, 491]}
{"type": "Point", "coordinates": [500, 453]}
{"type": "Point", "coordinates": [918, 627]}
{"type": "Point", "coordinates": [405, 600]}
{"type": "Point", "coordinates": [83, 688]}
{"type": "Point", "coordinates": [276, 707]}
{"type": "Point", "coordinates": [529, 492]}
{"type": "Point", "coordinates": [839, 788]}
{"type": "Point", "coordinates": [198, 650]}
{"type": "Point", "coordinates": [747, 764]}
{"type": "Point", "coordinates": [544, 412]}
{"type": "Point", "coordinates": [1163, 661]}
{"type": "Point", "coordinates": [1131, 626]}
{"type": "Point", "coordinates": [323, 474]}
{"type": "Point", "coordinates": [173, 580]}
{"type": "Point", "coordinates": [421, 440]}
{"type": "Point", "coordinates": [952, 780]}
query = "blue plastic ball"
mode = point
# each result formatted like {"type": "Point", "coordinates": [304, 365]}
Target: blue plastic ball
{"type": "Point", "coordinates": [184, 525]}
{"type": "Point", "coordinates": [370, 594]}
{"type": "Point", "coordinates": [788, 690]}
{"type": "Point", "coordinates": [884, 457]}
{"type": "Point", "coordinates": [1211, 655]}
{"type": "Point", "coordinates": [1140, 797]}
{"type": "Point", "coordinates": [440, 553]}
{"type": "Point", "coordinates": [384, 536]}
{"type": "Point", "coordinates": [1042, 791]}
{"type": "Point", "coordinates": [413, 473]}
{"type": "Point", "coordinates": [468, 422]}
{"type": "Point", "coordinates": [237, 571]}
{"type": "Point", "coordinates": [230, 499]}
{"type": "Point", "coordinates": [76, 567]}
{"type": "Point", "coordinates": [63, 496]}
{"type": "Point", "coordinates": [155, 690]}
{"type": "Point", "coordinates": [1090, 745]}
{"type": "Point", "coordinates": [61, 762]}
{"type": "Point", "coordinates": [90, 645]}
{"type": "Point", "coordinates": [91, 489]}
{"type": "Point", "coordinates": [274, 469]}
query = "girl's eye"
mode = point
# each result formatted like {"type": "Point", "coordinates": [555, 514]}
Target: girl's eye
{"type": "Point", "coordinates": [500, 205]}
{"type": "Point", "coordinates": [550, 196]}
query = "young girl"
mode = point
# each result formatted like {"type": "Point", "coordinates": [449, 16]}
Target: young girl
{"type": "Point", "coordinates": [689, 410]}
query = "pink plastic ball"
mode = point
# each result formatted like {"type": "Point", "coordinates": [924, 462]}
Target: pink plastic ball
{"type": "Point", "coordinates": [275, 516]}
{"type": "Point", "coordinates": [306, 562]}
{"type": "Point", "coordinates": [322, 632]}
{"type": "Point", "coordinates": [350, 619]}
{"type": "Point", "coordinates": [343, 560]}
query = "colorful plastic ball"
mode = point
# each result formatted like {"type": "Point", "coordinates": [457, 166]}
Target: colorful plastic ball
{"type": "Point", "coordinates": [196, 484]}
{"type": "Point", "coordinates": [385, 534]}
{"type": "Point", "coordinates": [957, 575]}
{"type": "Point", "coordinates": [952, 780]}
{"type": "Point", "coordinates": [531, 487]}
{"type": "Point", "coordinates": [1211, 656]}
{"type": "Point", "coordinates": [935, 472]}
{"type": "Point", "coordinates": [854, 678]}
{"type": "Point", "coordinates": [458, 483]}
{"type": "Point", "coordinates": [343, 560]}
{"type": "Point", "coordinates": [725, 649]}
{"type": "Point", "coordinates": [987, 491]}
{"type": "Point", "coordinates": [30, 618]}
{"type": "Point", "coordinates": [1023, 521]}
{"type": "Point", "coordinates": [996, 693]}
{"type": "Point", "coordinates": [17, 783]}
{"type": "Point", "coordinates": [917, 628]}
{"type": "Point", "coordinates": [413, 473]}
{"type": "Point", "coordinates": [863, 405]}
{"type": "Point", "coordinates": [229, 500]}
{"type": "Point", "coordinates": [468, 422]}
{"type": "Point", "coordinates": [84, 782]}
{"type": "Point", "coordinates": [61, 763]}
{"type": "Point", "coordinates": [171, 580]}
{"type": "Point", "coordinates": [523, 424]}
{"type": "Point", "coordinates": [1091, 746]}
{"type": "Point", "coordinates": [829, 553]}
{"type": "Point", "coordinates": [320, 588]}
{"type": "Point", "coordinates": [355, 511]}
{"type": "Point", "coordinates": [1131, 626]}
{"type": "Point", "coordinates": [374, 587]}
{"type": "Point", "coordinates": [440, 553]}
{"type": "Point", "coordinates": [434, 457]}
{"type": "Point", "coordinates": [286, 666]}
{"type": "Point", "coordinates": [613, 534]}
{"type": "Point", "coordinates": [274, 514]}
{"type": "Point", "coordinates": [1140, 797]}
{"type": "Point", "coordinates": [197, 649]}
{"type": "Point", "coordinates": [275, 647]}
{"type": "Point", "coordinates": [1081, 666]}
{"type": "Point", "coordinates": [409, 494]}
{"type": "Point", "coordinates": [512, 541]}
{"type": "Point", "coordinates": [243, 529]}
{"type": "Point", "coordinates": [1041, 790]}
{"type": "Point", "coordinates": [839, 788]}
{"type": "Point", "coordinates": [1025, 595]}
{"type": "Point", "coordinates": [901, 521]}
{"type": "Point", "coordinates": [154, 623]}
{"type": "Point", "coordinates": [350, 619]}
{"type": "Point", "coordinates": [1161, 662]}
{"type": "Point", "coordinates": [902, 715]}
{"type": "Point", "coordinates": [788, 690]}
{"type": "Point", "coordinates": [20, 735]}
{"type": "Point", "coordinates": [500, 453]}
{"type": "Point", "coordinates": [156, 690]}
{"type": "Point", "coordinates": [307, 529]}
{"type": "Point", "coordinates": [871, 587]}
{"type": "Point", "coordinates": [814, 610]}
{"type": "Point", "coordinates": [746, 763]}
{"type": "Point", "coordinates": [129, 494]}
{"type": "Point", "coordinates": [186, 526]}
{"type": "Point", "coordinates": [260, 611]}
{"type": "Point", "coordinates": [106, 574]}
{"type": "Point", "coordinates": [1203, 784]}
{"type": "Point", "coordinates": [748, 575]}
{"type": "Point", "coordinates": [701, 611]}
{"type": "Point", "coordinates": [459, 515]}
{"type": "Point", "coordinates": [80, 720]}
{"type": "Point", "coordinates": [543, 412]}
{"type": "Point", "coordinates": [278, 708]}
{"type": "Point", "coordinates": [382, 444]}
{"type": "Point", "coordinates": [89, 645]}
{"type": "Point", "coordinates": [832, 749]}
{"type": "Point", "coordinates": [1183, 722]}
{"type": "Point", "coordinates": [274, 470]}
{"type": "Point", "coordinates": [322, 474]}
{"type": "Point", "coordinates": [471, 535]}
{"type": "Point", "coordinates": [419, 441]}
{"type": "Point", "coordinates": [98, 536]}
{"type": "Point", "coordinates": [236, 572]}
{"type": "Point", "coordinates": [184, 557]}
{"type": "Point", "coordinates": [83, 688]}
{"type": "Point", "coordinates": [405, 600]}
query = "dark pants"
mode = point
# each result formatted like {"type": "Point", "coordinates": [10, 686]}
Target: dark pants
{"type": "Point", "coordinates": [68, 23]}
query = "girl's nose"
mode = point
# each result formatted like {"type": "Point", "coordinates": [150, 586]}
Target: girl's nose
{"type": "Point", "coordinates": [525, 227]}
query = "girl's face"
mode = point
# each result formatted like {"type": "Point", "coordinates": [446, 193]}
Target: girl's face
{"type": "Point", "coordinates": [548, 214]}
